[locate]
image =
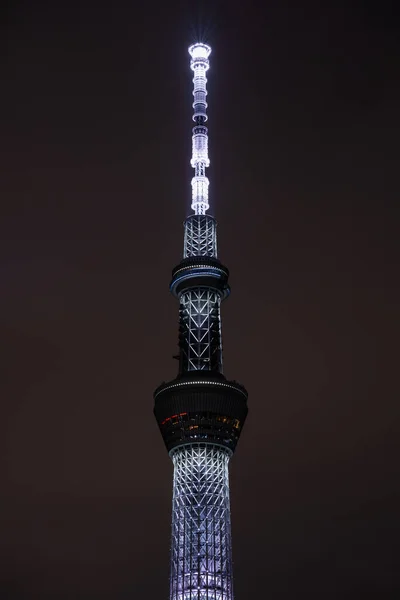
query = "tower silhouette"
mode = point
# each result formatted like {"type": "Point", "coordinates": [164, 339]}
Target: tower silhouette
{"type": "Point", "coordinates": [200, 413]}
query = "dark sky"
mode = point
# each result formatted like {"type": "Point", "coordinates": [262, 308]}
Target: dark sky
{"type": "Point", "coordinates": [95, 182]}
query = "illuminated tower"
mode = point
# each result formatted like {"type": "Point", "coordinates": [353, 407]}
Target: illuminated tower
{"type": "Point", "coordinates": [200, 413]}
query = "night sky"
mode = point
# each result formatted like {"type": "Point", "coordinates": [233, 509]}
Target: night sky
{"type": "Point", "coordinates": [95, 183]}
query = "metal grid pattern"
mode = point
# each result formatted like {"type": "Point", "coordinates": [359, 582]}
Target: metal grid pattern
{"type": "Point", "coordinates": [200, 330]}
{"type": "Point", "coordinates": [200, 237]}
{"type": "Point", "coordinates": [201, 552]}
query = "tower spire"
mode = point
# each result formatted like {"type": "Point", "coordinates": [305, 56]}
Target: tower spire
{"type": "Point", "coordinates": [200, 64]}
{"type": "Point", "coordinates": [200, 413]}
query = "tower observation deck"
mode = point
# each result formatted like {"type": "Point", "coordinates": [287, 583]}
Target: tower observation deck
{"type": "Point", "coordinates": [200, 413]}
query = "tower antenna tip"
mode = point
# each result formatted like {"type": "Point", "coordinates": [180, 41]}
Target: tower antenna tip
{"type": "Point", "coordinates": [199, 50]}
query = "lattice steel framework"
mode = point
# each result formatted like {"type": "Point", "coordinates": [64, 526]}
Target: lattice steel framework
{"type": "Point", "coordinates": [200, 413]}
{"type": "Point", "coordinates": [200, 236]}
{"type": "Point", "coordinates": [199, 307]}
{"type": "Point", "coordinates": [200, 330]}
{"type": "Point", "coordinates": [201, 564]}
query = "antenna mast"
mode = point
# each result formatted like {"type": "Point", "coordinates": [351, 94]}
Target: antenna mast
{"type": "Point", "coordinates": [199, 64]}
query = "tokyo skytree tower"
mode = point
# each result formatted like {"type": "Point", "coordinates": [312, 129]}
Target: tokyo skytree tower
{"type": "Point", "coordinates": [200, 413]}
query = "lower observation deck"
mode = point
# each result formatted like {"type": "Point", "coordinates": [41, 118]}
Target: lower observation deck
{"type": "Point", "coordinates": [200, 407]}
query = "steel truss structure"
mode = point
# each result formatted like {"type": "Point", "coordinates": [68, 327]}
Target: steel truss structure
{"type": "Point", "coordinates": [200, 330]}
{"type": "Point", "coordinates": [200, 413]}
{"type": "Point", "coordinates": [201, 565]}
{"type": "Point", "coordinates": [200, 236]}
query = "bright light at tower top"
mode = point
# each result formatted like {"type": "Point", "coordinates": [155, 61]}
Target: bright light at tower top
{"type": "Point", "coordinates": [200, 51]}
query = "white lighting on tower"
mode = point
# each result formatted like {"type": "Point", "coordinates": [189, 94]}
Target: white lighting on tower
{"type": "Point", "coordinates": [200, 413]}
{"type": "Point", "coordinates": [199, 50]}
{"type": "Point", "coordinates": [200, 161]}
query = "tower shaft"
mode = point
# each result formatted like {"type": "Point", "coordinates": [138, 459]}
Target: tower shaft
{"type": "Point", "coordinates": [201, 562]}
{"type": "Point", "coordinates": [200, 413]}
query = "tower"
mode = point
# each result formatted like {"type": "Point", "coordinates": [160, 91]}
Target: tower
{"type": "Point", "coordinates": [200, 413]}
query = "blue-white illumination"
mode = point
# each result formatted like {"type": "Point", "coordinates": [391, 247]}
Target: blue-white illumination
{"type": "Point", "coordinates": [200, 64]}
{"type": "Point", "coordinates": [200, 413]}
{"type": "Point", "coordinates": [201, 561]}
{"type": "Point", "coordinates": [200, 51]}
